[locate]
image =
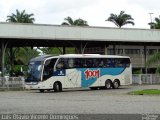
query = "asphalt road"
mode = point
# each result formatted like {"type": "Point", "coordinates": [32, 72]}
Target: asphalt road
{"type": "Point", "coordinates": [77, 101]}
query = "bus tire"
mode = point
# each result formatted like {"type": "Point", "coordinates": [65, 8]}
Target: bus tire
{"type": "Point", "coordinates": [108, 84]}
{"type": "Point", "coordinates": [93, 88]}
{"type": "Point", "coordinates": [41, 90]}
{"type": "Point", "coordinates": [57, 87]}
{"type": "Point", "coordinates": [116, 84]}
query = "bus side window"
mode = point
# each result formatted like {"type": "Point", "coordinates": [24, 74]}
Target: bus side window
{"type": "Point", "coordinates": [71, 63]}
{"type": "Point", "coordinates": [127, 62]}
{"type": "Point", "coordinates": [77, 63]}
{"type": "Point", "coordinates": [83, 63]}
{"type": "Point", "coordinates": [122, 62]}
{"type": "Point", "coordinates": [89, 63]}
{"type": "Point", "coordinates": [60, 64]}
{"type": "Point", "coordinates": [108, 62]}
{"type": "Point", "coordinates": [101, 64]}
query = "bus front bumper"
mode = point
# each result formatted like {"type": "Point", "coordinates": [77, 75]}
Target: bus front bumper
{"type": "Point", "coordinates": [32, 86]}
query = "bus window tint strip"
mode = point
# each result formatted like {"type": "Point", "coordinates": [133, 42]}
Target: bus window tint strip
{"type": "Point", "coordinates": [94, 63]}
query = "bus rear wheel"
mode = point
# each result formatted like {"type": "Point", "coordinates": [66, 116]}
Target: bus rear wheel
{"type": "Point", "coordinates": [116, 84]}
{"type": "Point", "coordinates": [57, 87]}
{"type": "Point", "coordinates": [108, 84]}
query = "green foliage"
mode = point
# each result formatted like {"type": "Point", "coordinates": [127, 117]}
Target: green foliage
{"type": "Point", "coordinates": [16, 69]}
{"type": "Point", "coordinates": [155, 58]}
{"type": "Point", "coordinates": [77, 22]}
{"type": "Point", "coordinates": [146, 92]}
{"type": "Point", "coordinates": [21, 17]}
{"type": "Point", "coordinates": [51, 50]}
{"type": "Point", "coordinates": [70, 50]}
{"type": "Point", "coordinates": [21, 57]}
{"type": "Point", "coordinates": [121, 19]}
{"type": "Point", "coordinates": [156, 24]}
{"type": "Point", "coordinates": [57, 51]}
{"type": "Point", "coordinates": [25, 54]}
{"type": "Point", "coordinates": [137, 72]}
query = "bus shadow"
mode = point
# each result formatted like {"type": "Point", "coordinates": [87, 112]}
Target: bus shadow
{"type": "Point", "coordinates": [84, 90]}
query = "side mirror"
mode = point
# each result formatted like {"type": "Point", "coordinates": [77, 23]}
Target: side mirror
{"type": "Point", "coordinates": [39, 68]}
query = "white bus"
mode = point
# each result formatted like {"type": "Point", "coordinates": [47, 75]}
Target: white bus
{"type": "Point", "coordinates": [78, 70]}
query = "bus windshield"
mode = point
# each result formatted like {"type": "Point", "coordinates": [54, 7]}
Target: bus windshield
{"type": "Point", "coordinates": [34, 72]}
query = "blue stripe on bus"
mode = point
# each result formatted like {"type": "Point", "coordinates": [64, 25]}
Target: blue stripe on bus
{"type": "Point", "coordinates": [90, 75]}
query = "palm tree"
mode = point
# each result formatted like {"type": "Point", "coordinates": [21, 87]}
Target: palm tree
{"type": "Point", "coordinates": [21, 57]}
{"type": "Point", "coordinates": [77, 22]}
{"type": "Point", "coordinates": [156, 24]}
{"type": "Point", "coordinates": [155, 58]}
{"type": "Point", "coordinates": [121, 19]}
{"type": "Point", "coordinates": [21, 17]}
{"type": "Point", "coordinates": [25, 54]}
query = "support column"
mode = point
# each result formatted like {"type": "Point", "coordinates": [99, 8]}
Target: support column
{"type": "Point", "coordinates": [105, 49]}
{"type": "Point", "coordinates": [114, 49]}
{"type": "Point", "coordinates": [11, 59]}
{"type": "Point", "coordinates": [3, 49]}
{"type": "Point", "coordinates": [79, 48]}
{"type": "Point", "coordinates": [64, 50]}
{"type": "Point", "coordinates": [84, 47]}
{"type": "Point", "coordinates": [145, 58]}
{"type": "Point", "coordinates": [0, 57]}
{"type": "Point", "coordinates": [2, 62]}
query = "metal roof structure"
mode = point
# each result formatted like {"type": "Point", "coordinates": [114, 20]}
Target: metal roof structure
{"type": "Point", "coordinates": [39, 34]}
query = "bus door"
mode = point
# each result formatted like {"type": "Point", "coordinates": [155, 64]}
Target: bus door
{"type": "Point", "coordinates": [48, 68]}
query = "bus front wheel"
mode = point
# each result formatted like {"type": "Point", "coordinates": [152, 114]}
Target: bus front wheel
{"type": "Point", "coordinates": [41, 90]}
{"type": "Point", "coordinates": [108, 84]}
{"type": "Point", "coordinates": [57, 87]}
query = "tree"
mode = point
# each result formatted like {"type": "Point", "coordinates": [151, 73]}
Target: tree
{"type": "Point", "coordinates": [57, 50]}
{"type": "Point", "coordinates": [77, 22]}
{"type": "Point", "coordinates": [19, 58]}
{"type": "Point", "coordinates": [25, 54]}
{"type": "Point", "coordinates": [155, 58]}
{"type": "Point", "coordinates": [22, 55]}
{"type": "Point", "coordinates": [51, 50]}
{"type": "Point", "coordinates": [156, 24]}
{"type": "Point", "coordinates": [121, 19]}
{"type": "Point", "coordinates": [22, 58]}
{"type": "Point", "coordinates": [21, 17]}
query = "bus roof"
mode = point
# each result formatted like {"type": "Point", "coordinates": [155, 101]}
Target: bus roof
{"type": "Point", "coordinates": [44, 57]}
{"type": "Point", "coordinates": [41, 58]}
{"type": "Point", "coordinates": [91, 56]}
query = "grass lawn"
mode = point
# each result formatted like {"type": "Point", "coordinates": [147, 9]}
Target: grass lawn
{"type": "Point", "coordinates": [146, 92]}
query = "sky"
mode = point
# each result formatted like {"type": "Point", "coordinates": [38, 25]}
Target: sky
{"type": "Point", "coordinates": [95, 12]}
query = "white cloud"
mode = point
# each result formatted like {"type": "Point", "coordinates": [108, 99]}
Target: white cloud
{"type": "Point", "coordinates": [94, 11]}
{"type": "Point", "coordinates": [146, 4]}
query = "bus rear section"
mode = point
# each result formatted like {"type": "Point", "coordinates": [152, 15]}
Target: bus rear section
{"type": "Point", "coordinates": [86, 71]}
